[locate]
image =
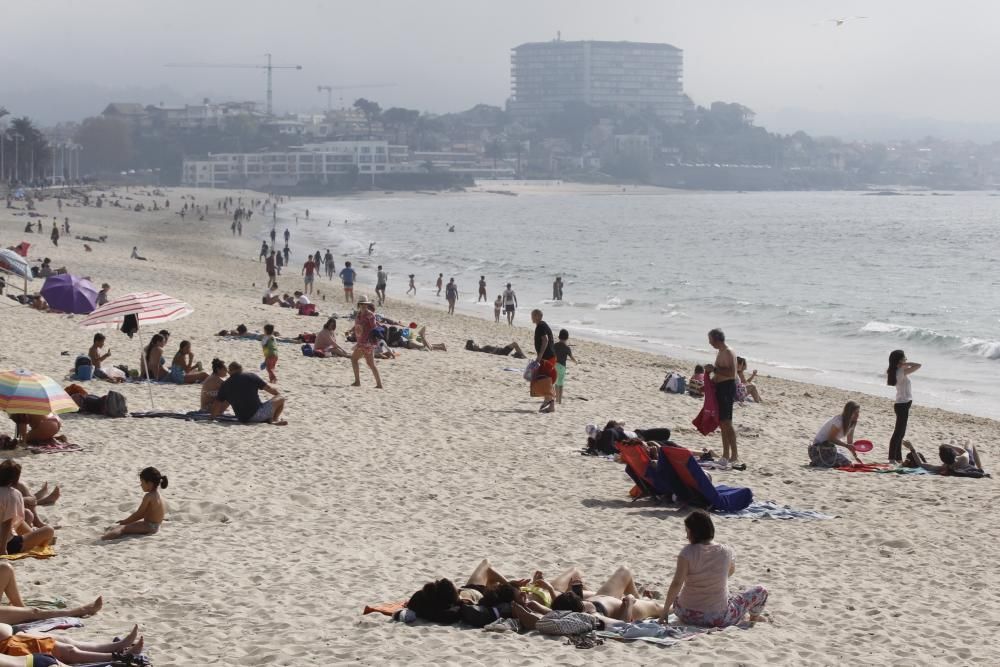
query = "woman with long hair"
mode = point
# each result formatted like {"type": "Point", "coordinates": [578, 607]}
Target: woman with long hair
{"type": "Point", "coordinates": [898, 376]}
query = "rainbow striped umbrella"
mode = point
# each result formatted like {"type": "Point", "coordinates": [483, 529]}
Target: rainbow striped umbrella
{"type": "Point", "coordinates": [148, 307]}
{"type": "Point", "coordinates": [27, 393]}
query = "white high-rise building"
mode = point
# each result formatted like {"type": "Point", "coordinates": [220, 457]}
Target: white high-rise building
{"type": "Point", "coordinates": [629, 76]}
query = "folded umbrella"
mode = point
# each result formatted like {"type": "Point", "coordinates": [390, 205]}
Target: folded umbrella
{"type": "Point", "coordinates": [70, 294]}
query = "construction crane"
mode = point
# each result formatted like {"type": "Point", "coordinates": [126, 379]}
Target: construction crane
{"type": "Point", "coordinates": [329, 90]}
{"type": "Point", "coordinates": [269, 67]}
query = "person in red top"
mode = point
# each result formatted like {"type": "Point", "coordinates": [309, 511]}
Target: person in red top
{"type": "Point", "coordinates": [309, 271]}
{"type": "Point", "coordinates": [364, 325]}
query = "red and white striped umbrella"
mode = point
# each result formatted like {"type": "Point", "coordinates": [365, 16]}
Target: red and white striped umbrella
{"type": "Point", "coordinates": [148, 307]}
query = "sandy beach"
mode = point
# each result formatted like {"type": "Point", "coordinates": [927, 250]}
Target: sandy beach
{"type": "Point", "coordinates": [277, 537]}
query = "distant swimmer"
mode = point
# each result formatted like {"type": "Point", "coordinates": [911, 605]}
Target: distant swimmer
{"type": "Point", "coordinates": [452, 228]}
{"type": "Point", "coordinates": [371, 247]}
{"type": "Point", "coordinates": [841, 21]}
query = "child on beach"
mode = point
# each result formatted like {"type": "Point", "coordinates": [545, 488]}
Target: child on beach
{"type": "Point", "coordinates": [147, 519]}
{"type": "Point", "coordinates": [412, 287]}
{"type": "Point", "coordinates": [563, 352]}
{"type": "Point", "coordinates": [269, 344]}
{"type": "Point", "coordinates": [497, 307]}
{"type": "Point", "coordinates": [696, 383]}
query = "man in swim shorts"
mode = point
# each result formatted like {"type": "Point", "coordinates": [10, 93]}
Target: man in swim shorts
{"type": "Point", "coordinates": [724, 376]}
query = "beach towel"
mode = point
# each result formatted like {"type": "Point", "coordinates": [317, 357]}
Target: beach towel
{"type": "Point", "coordinates": [865, 467]}
{"type": "Point", "coordinates": [654, 633]}
{"type": "Point", "coordinates": [53, 447]}
{"type": "Point", "coordinates": [194, 415]}
{"type": "Point", "coordinates": [901, 470]}
{"type": "Point", "coordinates": [37, 552]}
{"type": "Point", "coordinates": [47, 625]}
{"type": "Point", "coordinates": [385, 608]}
{"type": "Point", "coordinates": [768, 509]}
{"type": "Point", "coordinates": [708, 419]}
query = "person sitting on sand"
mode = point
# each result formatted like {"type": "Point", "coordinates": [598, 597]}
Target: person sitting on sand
{"type": "Point", "coordinates": [210, 387]}
{"type": "Point", "coordinates": [32, 501]}
{"type": "Point", "coordinates": [16, 535]}
{"type": "Point", "coordinates": [326, 341]}
{"type": "Point", "coordinates": [838, 431]}
{"type": "Point", "coordinates": [271, 295]}
{"type": "Point", "coordinates": [43, 650]}
{"type": "Point", "coordinates": [96, 357]}
{"type": "Point", "coordinates": [504, 351]}
{"type": "Point", "coordinates": [151, 364]}
{"type": "Point", "coordinates": [699, 592]}
{"type": "Point", "coordinates": [745, 385]}
{"type": "Point", "coordinates": [183, 369]}
{"type": "Point", "coordinates": [147, 519]}
{"type": "Point", "coordinates": [240, 391]}
{"type": "Point", "coordinates": [135, 254]}
{"type": "Point", "coordinates": [696, 383]}
{"type": "Point", "coordinates": [36, 428]}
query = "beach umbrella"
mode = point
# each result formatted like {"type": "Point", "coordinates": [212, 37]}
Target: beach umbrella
{"type": "Point", "coordinates": [69, 294]}
{"type": "Point", "coordinates": [147, 307]}
{"type": "Point", "coordinates": [14, 263]}
{"type": "Point", "coordinates": [27, 393]}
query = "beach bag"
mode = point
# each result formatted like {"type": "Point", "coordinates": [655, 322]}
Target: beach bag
{"type": "Point", "coordinates": [562, 623]}
{"type": "Point", "coordinates": [115, 405]}
{"type": "Point", "coordinates": [308, 309]}
{"type": "Point", "coordinates": [529, 372]}
{"type": "Point", "coordinates": [674, 383]}
{"type": "Point", "coordinates": [84, 368]}
{"type": "Point", "coordinates": [307, 350]}
{"type": "Point", "coordinates": [542, 387]}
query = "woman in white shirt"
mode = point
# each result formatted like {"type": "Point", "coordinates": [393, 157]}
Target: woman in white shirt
{"type": "Point", "coordinates": [838, 431]}
{"type": "Point", "coordinates": [898, 376]}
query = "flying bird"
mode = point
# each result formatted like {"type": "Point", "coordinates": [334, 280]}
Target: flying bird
{"type": "Point", "coordinates": [841, 21]}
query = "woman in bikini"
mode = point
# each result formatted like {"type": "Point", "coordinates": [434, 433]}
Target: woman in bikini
{"type": "Point", "coordinates": [151, 363]}
{"type": "Point", "coordinates": [364, 346]}
{"type": "Point", "coordinates": [210, 387]}
{"type": "Point", "coordinates": [183, 369]}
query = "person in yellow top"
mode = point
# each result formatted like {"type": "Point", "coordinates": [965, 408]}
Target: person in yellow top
{"type": "Point", "coordinates": [269, 344]}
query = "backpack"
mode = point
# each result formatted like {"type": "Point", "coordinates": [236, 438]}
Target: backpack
{"type": "Point", "coordinates": [114, 405]}
{"type": "Point", "coordinates": [674, 383]}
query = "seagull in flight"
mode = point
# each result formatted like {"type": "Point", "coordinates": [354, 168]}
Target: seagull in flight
{"type": "Point", "coordinates": [841, 21]}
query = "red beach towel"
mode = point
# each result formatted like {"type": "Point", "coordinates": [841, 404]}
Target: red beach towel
{"type": "Point", "coordinates": [708, 419]}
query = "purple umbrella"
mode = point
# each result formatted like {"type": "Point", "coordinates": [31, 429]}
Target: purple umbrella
{"type": "Point", "coordinates": [69, 294]}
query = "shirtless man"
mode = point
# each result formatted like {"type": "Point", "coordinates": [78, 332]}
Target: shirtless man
{"type": "Point", "coordinates": [724, 376]}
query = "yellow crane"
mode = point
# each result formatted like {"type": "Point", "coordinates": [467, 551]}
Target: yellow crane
{"type": "Point", "coordinates": [269, 67]}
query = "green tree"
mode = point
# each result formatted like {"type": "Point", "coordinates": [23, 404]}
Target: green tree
{"type": "Point", "coordinates": [370, 109]}
{"type": "Point", "coordinates": [398, 119]}
{"type": "Point", "coordinates": [494, 150]}
{"type": "Point", "coordinates": [31, 149]}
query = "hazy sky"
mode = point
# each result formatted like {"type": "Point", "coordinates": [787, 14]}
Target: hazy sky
{"type": "Point", "coordinates": [911, 57]}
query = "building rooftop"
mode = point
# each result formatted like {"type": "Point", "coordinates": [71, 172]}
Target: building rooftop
{"type": "Point", "coordinates": [560, 42]}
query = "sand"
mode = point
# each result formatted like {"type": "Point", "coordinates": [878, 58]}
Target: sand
{"type": "Point", "coordinates": [278, 536]}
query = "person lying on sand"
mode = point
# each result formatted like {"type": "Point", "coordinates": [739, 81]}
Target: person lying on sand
{"type": "Point", "coordinates": [46, 650]}
{"type": "Point", "coordinates": [240, 331]}
{"type": "Point", "coordinates": [958, 461]}
{"type": "Point", "coordinates": [504, 351]}
{"type": "Point", "coordinates": [17, 613]}
{"type": "Point", "coordinates": [147, 519]}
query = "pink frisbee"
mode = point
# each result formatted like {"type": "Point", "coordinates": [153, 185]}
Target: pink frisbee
{"type": "Point", "coordinates": [863, 445]}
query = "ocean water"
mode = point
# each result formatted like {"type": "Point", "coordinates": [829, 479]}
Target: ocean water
{"type": "Point", "coordinates": [812, 286]}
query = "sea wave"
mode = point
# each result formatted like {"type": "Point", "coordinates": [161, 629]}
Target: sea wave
{"type": "Point", "coordinates": [982, 347]}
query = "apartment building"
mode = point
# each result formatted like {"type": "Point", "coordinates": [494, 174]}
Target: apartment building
{"type": "Point", "coordinates": [627, 76]}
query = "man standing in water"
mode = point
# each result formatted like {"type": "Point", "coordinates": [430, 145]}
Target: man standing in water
{"type": "Point", "coordinates": [451, 294]}
{"type": "Point", "coordinates": [557, 289]}
{"type": "Point", "coordinates": [724, 376]}
{"type": "Point", "coordinates": [482, 290]}
{"type": "Point", "coordinates": [509, 304]}
{"type": "Point", "coordinates": [380, 282]}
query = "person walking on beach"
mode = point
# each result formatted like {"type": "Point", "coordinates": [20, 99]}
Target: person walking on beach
{"type": "Point", "coordinates": [724, 376]}
{"type": "Point", "coordinates": [898, 376]}
{"type": "Point", "coordinates": [364, 325]}
{"type": "Point", "coordinates": [269, 346]}
{"type": "Point", "coordinates": [380, 282]}
{"type": "Point", "coordinates": [347, 275]}
{"type": "Point", "coordinates": [563, 353]}
{"type": "Point", "coordinates": [273, 235]}
{"type": "Point", "coordinates": [55, 234]}
{"type": "Point", "coordinates": [440, 283]}
{"type": "Point", "coordinates": [509, 304]}
{"type": "Point", "coordinates": [413, 287]}
{"type": "Point", "coordinates": [263, 251]}
{"type": "Point", "coordinates": [309, 273]}
{"type": "Point", "coordinates": [279, 263]}
{"type": "Point", "coordinates": [288, 236]}
{"type": "Point", "coordinates": [331, 269]}
{"type": "Point", "coordinates": [287, 253]}
{"type": "Point", "coordinates": [482, 290]}
{"type": "Point", "coordinates": [545, 356]}
{"type": "Point", "coordinates": [451, 294]}
{"type": "Point", "coordinates": [497, 307]}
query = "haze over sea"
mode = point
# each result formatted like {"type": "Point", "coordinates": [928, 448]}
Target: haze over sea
{"type": "Point", "coordinates": [815, 286]}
